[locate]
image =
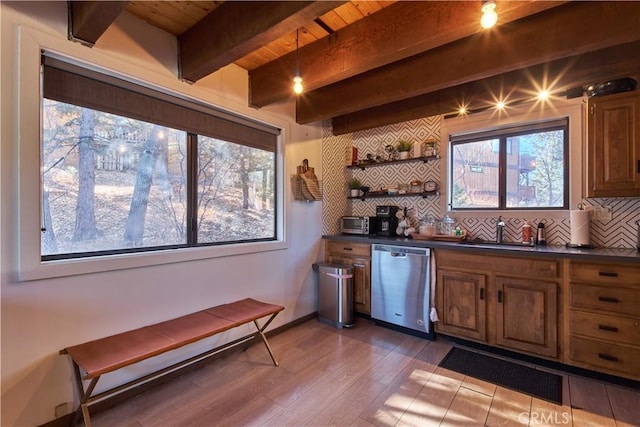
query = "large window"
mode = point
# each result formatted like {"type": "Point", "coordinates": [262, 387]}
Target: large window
{"type": "Point", "coordinates": [127, 169]}
{"type": "Point", "coordinates": [524, 167]}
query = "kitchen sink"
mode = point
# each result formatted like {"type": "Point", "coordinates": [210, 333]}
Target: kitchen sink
{"type": "Point", "coordinates": [481, 242]}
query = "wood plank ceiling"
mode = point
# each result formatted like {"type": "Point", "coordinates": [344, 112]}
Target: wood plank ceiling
{"type": "Point", "coordinates": [370, 63]}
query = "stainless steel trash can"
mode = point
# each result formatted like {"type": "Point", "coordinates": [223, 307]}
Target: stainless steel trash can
{"type": "Point", "coordinates": [335, 294]}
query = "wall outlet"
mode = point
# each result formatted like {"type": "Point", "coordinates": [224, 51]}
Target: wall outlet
{"type": "Point", "coordinates": [62, 409]}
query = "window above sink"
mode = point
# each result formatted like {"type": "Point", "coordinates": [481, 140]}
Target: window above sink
{"type": "Point", "coordinates": [515, 167]}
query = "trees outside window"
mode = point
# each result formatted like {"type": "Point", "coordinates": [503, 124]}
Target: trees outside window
{"type": "Point", "coordinates": [116, 184]}
{"type": "Point", "coordinates": [523, 167]}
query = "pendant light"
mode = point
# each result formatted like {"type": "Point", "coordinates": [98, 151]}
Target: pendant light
{"type": "Point", "coordinates": [489, 15]}
{"type": "Point", "coordinates": [297, 79]}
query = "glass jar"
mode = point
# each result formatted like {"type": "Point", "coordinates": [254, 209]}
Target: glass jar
{"type": "Point", "coordinates": [446, 226]}
{"type": "Point", "coordinates": [427, 226]}
{"type": "Point", "coordinates": [429, 148]}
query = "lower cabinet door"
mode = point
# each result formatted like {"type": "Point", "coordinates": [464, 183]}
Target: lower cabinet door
{"type": "Point", "coordinates": [361, 285]}
{"type": "Point", "coordinates": [527, 315]}
{"type": "Point", "coordinates": [461, 304]}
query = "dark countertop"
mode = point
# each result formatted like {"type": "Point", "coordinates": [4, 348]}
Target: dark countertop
{"type": "Point", "coordinates": [596, 254]}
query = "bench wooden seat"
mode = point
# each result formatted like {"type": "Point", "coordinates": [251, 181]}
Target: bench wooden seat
{"type": "Point", "coordinates": [108, 354]}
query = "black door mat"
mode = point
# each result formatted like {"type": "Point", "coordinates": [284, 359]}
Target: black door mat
{"type": "Point", "coordinates": [540, 384]}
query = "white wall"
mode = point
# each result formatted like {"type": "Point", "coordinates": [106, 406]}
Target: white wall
{"type": "Point", "coordinates": [41, 317]}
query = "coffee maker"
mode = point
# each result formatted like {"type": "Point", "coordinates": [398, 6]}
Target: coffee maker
{"type": "Point", "coordinates": [386, 220]}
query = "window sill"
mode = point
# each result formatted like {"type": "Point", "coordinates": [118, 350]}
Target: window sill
{"type": "Point", "coordinates": [78, 266]}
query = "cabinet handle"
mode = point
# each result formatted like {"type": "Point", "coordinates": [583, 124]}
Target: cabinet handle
{"type": "Point", "coordinates": [608, 328]}
{"type": "Point", "coordinates": [638, 166]}
{"type": "Point", "coordinates": [499, 296]}
{"type": "Point", "coordinates": [607, 357]}
{"type": "Point", "coordinates": [608, 299]}
{"type": "Point", "coordinates": [347, 249]}
{"type": "Point", "coordinates": [607, 274]}
{"type": "Point", "coordinates": [481, 293]}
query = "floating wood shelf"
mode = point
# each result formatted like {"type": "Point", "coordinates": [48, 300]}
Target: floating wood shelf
{"type": "Point", "coordinates": [423, 194]}
{"type": "Point", "coordinates": [363, 166]}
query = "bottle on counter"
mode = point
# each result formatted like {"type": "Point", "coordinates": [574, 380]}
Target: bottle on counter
{"type": "Point", "coordinates": [540, 237]}
{"type": "Point", "coordinates": [526, 233]}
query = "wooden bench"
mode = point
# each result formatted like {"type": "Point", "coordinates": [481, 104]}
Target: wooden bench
{"type": "Point", "coordinates": [109, 354]}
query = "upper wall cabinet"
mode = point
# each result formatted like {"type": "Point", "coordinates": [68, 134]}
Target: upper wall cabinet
{"type": "Point", "coordinates": [613, 156]}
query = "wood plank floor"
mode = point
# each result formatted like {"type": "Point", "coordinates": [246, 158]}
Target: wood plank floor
{"type": "Point", "coordinates": [365, 376]}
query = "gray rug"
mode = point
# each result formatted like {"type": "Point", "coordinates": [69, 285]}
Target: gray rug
{"type": "Point", "coordinates": [540, 384]}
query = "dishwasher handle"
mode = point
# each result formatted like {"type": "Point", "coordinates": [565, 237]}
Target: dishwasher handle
{"type": "Point", "coordinates": [398, 255]}
{"type": "Point", "coordinates": [404, 250]}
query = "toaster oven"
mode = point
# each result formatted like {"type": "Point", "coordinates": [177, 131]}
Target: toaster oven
{"type": "Point", "coordinates": [355, 225]}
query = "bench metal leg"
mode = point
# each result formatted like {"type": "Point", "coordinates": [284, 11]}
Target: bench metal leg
{"type": "Point", "coordinates": [264, 338]}
{"type": "Point", "coordinates": [85, 395]}
{"type": "Point", "coordinates": [85, 414]}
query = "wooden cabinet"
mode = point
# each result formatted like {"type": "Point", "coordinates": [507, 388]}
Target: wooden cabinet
{"type": "Point", "coordinates": [604, 318]}
{"type": "Point", "coordinates": [502, 301]}
{"type": "Point", "coordinates": [357, 255]}
{"type": "Point", "coordinates": [613, 154]}
{"type": "Point", "coordinates": [461, 304]}
{"type": "Point", "coordinates": [527, 315]}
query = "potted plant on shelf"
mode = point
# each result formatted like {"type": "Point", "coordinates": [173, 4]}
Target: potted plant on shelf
{"type": "Point", "coordinates": [354, 185]}
{"type": "Point", "coordinates": [404, 147]}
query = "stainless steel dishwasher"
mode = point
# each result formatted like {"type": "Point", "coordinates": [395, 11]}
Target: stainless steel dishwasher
{"type": "Point", "coordinates": [400, 287]}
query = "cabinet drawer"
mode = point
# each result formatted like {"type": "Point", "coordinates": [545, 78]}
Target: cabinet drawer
{"type": "Point", "coordinates": [460, 260]}
{"type": "Point", "coordinates": [603, 355]}
{"type": "Point", "coordinates": [522, 267]}
{"type": "Point", "coordinates": [606, 298]}
{"type": "Point", "coordinates": [616, 274]}
{"type": "Point", "coordinates": [349, 248]}
{"type": "Point", "coordinates": [601, 326]}
{"type": "Point", "coordinates": [526, 267]}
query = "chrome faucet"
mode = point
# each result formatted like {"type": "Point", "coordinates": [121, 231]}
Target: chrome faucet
{"type": "Point", "coordinates": [500, 230]}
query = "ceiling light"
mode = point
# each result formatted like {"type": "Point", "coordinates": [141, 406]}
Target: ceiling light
{"type": "Point", "coordinates": [297, 79]}
{"type": "Point", "coordinates": [543, 95]}
{"type": "Point", "coordinates": [500, 105]}
{"type": "Point", "coordinates": [297, 85]}
{"type": "Point", "coordinates": [489, 15]}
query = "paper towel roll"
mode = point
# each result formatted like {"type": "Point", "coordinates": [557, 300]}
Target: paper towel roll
{"type": "Point", "coordinates": [579, 227]}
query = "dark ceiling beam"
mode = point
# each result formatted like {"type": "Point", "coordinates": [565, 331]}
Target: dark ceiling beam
{"type": "Point", "coordinates": [394, 33]}
{"type": "Point", "coordinates": [567, 73]}
{"type": "Point", "coordinates": [563, 31]}
{"type": "Point", "coordinates": [237, 28]}
{"type": "Point", "coordinates": [88, 20]}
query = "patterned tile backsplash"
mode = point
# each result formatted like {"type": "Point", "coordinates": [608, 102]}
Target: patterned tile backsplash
{"type": "Point", "coordinates": [620, 232]}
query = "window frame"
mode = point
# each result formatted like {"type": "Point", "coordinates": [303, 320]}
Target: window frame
{"type": "Point", "coordinates": [503, 135]}
{"type": "Point", "coordinates": [29, 265]}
